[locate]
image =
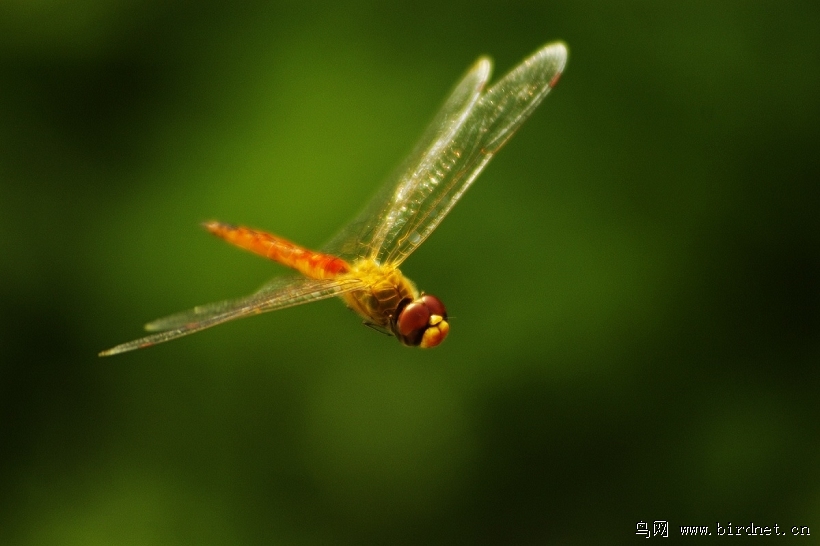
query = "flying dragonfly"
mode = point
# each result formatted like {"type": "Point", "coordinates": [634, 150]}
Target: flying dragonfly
{"type": "Point", "coordinates": [361, 264]}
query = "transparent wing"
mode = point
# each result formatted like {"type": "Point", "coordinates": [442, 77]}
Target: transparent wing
{"type": "Point", "coordinates": [463, 138]}
{"type": "Point", "coordinates": [354, 241]}
{"type": "Point", "coordinates": [280, 293]}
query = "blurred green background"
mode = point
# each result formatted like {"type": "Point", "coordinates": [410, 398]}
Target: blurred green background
{"type": "Point", "coordinates": [634, 281]}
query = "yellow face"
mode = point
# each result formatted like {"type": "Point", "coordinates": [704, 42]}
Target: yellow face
{"type": "Point", "coordinates": [435, 332]}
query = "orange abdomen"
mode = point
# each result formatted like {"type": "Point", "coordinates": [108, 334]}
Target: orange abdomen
{"type": "Point", "coordinates": [307, 262]}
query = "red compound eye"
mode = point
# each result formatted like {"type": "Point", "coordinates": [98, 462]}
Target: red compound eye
{"type": "Point", "coordinates": [413, 319]}
{"type": "Point", "coordinates": [434, 305]}
{"type": "Point", "coordinates": [415, 326]}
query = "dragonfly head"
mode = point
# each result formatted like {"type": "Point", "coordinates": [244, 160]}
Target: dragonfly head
{"type": "Point", "coordinates": [421, 322]}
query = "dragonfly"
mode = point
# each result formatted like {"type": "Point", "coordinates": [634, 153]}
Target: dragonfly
{"type": "Point", "coordinates": [360, 265]}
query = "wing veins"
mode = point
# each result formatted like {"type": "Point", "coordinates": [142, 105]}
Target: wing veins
{"type": "Point", "coordinates": [278, 294]}
{"type": "Point", "coordinates": [498, 113]}
{"type": "Point", "coordinates": [468, 130]}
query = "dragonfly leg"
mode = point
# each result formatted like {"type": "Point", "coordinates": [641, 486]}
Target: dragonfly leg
{"type": "Point", "coordinates": [378, 328]}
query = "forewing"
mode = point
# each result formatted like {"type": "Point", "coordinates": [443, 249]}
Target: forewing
{"type": "Point", "coordinates": [411, 207]}
{"type": "Point", "coordinates": [371, 226]}
{"type": "Point", "coordinates": [278, 294]}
